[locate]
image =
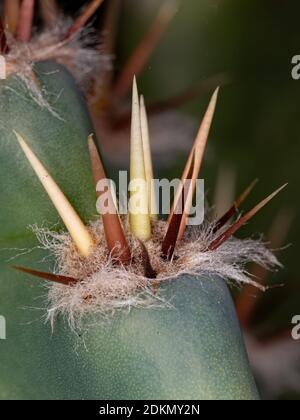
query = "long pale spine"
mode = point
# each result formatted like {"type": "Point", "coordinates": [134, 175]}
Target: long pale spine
{"type": "Point", "coordinates": [199, 151]}
{"type": "Point", "coordinates": [148, 161]}
{"type": "Point", "coordinates": [72, 221]}
{"type": "Point", "coordinates": [139, 204]}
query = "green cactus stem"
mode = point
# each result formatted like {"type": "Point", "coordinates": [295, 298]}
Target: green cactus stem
{"type": "Point", "coordinates": [193, 351]}
{"type": "Point", "coordinates": [50, 135]}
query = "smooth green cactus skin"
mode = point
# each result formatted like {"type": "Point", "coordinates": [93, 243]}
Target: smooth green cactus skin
{"type": "Point", "coordinates": [60, 143]}
{"type": "Point", "coordinates": [194, 351]}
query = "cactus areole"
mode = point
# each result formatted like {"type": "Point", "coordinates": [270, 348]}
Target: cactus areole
{"type": "Point", "coordinates": [138, 308]}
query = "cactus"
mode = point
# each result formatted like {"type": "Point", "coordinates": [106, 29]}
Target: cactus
{"type": "Point", "coordinates": [138, 308]}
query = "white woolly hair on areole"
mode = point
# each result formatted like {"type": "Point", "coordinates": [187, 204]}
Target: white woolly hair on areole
{"type": "Point", "coordinates": [105, 287]}
{"type": "Point", "coordinates": [81, 55]}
